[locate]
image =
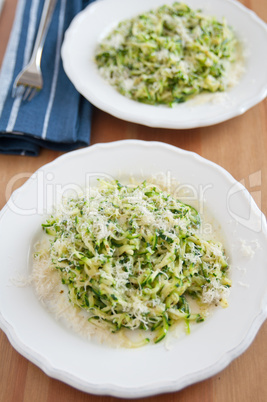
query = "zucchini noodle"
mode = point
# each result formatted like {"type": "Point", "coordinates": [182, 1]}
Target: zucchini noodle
{"type": "Point", "coordinates": [131, 257]}
{"type": "Point", "coordinates": [167, 55]}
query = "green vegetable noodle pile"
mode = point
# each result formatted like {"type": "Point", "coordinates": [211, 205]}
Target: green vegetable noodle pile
{"type": "Point", "coordinates": [131, 257]}
{"type": "Point", "coordinates": [167, 55]}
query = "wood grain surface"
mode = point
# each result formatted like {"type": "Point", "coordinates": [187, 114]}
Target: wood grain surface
{"type": "Point", "coordinates": [240, 146]}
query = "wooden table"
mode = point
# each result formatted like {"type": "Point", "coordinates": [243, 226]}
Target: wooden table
{"type": "Point", "coordinates": [240, 146]}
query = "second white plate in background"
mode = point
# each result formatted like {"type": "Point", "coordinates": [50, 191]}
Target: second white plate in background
{"type": "Point", "coordinates": [90, 26]}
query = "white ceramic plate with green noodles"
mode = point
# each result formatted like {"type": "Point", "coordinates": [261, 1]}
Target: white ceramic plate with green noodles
{"type": "Point", "coordinates": [247, 78]}
{"type": "Point", "coordinates": [102, 369]}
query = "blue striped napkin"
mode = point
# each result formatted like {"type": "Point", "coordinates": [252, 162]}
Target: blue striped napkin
{"type": "Point", "coordinates": [58, 117]}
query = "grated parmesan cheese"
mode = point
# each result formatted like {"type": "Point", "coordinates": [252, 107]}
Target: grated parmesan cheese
{"type": "Point", "coordinates": [127, 258]}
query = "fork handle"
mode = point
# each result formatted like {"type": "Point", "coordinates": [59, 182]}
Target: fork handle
{"type": "Point", "coordinates": [46, 17]}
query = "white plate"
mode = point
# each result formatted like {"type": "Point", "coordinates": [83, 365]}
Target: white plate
{"type": "Point", "coordinates": [90, 26]}
{"type": "Point", "coordinates": [153, 369]}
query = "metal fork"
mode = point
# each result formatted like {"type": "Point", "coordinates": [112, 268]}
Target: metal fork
{"type": "Point", "coordinates": [29, 81]}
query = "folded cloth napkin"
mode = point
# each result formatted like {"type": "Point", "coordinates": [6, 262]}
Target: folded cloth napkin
{"type": "Point", "coordinates": [58, 117]}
